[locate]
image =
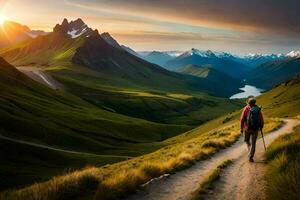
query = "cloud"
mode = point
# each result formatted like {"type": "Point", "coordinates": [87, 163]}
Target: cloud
{"type": "Point", "coordinates": [277, 16]}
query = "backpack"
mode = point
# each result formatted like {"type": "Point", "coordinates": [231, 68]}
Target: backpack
{"type": "Point", "coordinates": [253, 119]}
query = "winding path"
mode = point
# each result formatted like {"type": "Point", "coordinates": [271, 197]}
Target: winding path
{"type": "Point", "coordinates": [42, 146]}
{"type": "Point", "coordinates": [242, 180]}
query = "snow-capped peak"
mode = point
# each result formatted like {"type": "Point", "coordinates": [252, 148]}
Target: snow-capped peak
{"type": "Point", "coordinates": [74, 28]}
{"type": "Point", "coordinates": [197, 52]}
{"type": "Point", "coordinates": [256, 55]}
{"type": "Point", "coordinates": [293, 54]}
{"type": "Point", "coordinates": [208, 53]}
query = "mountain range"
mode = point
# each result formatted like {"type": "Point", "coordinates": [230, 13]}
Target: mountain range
{"type": "Point", "coordinates": [109, 77]}
{"type": "Point", "coordinates": [220, 62]}
{"type": "Point", "coordinates": [271, 73]}
{"type": "Point", "coordinates": [250, 68]}
{"type": "Point", "coordinates": [249, 59]}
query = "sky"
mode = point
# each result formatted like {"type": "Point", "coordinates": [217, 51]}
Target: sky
{"type": "Point", "coordinates": [236, 26]}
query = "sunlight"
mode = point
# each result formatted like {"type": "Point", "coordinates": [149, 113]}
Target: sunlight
{"type": "Point", "coordinates": [2, 19]}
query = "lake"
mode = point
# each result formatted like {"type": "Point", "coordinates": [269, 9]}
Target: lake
{"type": "Point", "coordinates": [247, 91]}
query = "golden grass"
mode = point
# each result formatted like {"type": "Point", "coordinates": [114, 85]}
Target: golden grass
{"type": "Point", "coordinates": [272, 124]}
{"type": "Point", "coordinates": [61, 187]}
{"type": "Point", "coordinates": [120, 179]}
{"type": "Point", "coordinates": [283, 167]}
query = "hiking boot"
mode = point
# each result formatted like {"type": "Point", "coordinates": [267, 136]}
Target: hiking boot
{"type": "Point", "coordinates": [251, 160]}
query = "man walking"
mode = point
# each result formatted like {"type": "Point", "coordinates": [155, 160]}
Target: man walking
{"type": "Point", "coordinates": [251, 122]}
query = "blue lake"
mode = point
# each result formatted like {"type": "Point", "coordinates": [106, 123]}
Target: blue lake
{"type": "Point", "coordinates": [247, 91]}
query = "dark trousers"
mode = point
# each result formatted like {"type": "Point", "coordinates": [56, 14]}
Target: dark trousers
{"type": "Point", "coordinates": [250, 137]}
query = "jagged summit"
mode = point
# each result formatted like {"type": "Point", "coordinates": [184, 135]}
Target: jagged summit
{"type": "Point", "coordinates": [74, 28]}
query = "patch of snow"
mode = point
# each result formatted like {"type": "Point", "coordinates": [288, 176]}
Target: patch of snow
{"type": "Point", "coordinates": [293, 54]}
{"type": "Point", "coordinates": [76, 33]}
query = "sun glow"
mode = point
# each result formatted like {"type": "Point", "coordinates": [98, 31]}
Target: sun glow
{"type": "Point", "coordinates": [2, 19]}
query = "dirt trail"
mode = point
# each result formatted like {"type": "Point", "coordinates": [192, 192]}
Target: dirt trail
{"type": "Point", "coordinates": [38, 75]}
{"type": "Point", "coordinates": [2, 137]}
{"type": "Point", "coordinates": [244, 180]}
{"type": "Point", "coordinates": [238, 183]}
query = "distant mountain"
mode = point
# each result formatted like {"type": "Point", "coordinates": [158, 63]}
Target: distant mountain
{"type": "Point", "coordinates": [293, 54]}
{"type": "Point", "coordinates": [170, 53]}
{"type": "Point", "coordinates": [272, 73]}
{"type": "Point", "coordinates": [258, 59]}
{"type": "Point", "coordinates": [12, 33]}
{"type": "Point", "coordinates": [159, 58]}
{"type": "Point", "coordinates": [222, 62]}
{"type": "Point", "coordinates": [36, 33]}
{"type": "Point", "coordinates": [211, 74]}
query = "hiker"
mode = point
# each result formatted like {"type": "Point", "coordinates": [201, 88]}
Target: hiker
{"type": "Point", "coordinates": [251, 122]}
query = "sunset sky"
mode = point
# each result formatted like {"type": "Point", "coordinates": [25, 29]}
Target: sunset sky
{"type": "Point", "coordinates": [237, 26]}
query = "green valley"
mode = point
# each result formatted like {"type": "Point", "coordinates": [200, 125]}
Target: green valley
{"type": "Point", "coordinates": [83, 116]}
{"type": "Point", "coordinates": [115, 80]}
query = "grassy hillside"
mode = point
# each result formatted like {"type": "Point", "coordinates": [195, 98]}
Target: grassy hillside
{"type": "Point", "coordinates": [283, 100]}
{"type": "Point", "coordinates": [284, 166]}
{"type": "Point", "coordinates": [32, 112]}
{"type": "Point", "coordinates": [283, 153]}
{"type": "Point", "coordinates": [42, 51]}
{"type": "Point", "coordinates": [272, 73]}
{"type": "Point", "coordinates": [115, 181]}
{"type": "Point", "coordinates": [207, 72]}
{"type": "Point", "coordinates": [25, 101]}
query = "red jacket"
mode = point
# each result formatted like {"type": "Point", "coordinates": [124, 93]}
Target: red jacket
{"type": "Point", "coordinates": [244, 116]}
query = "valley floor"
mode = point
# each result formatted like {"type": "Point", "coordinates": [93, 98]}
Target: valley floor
{"type": "Point", "coordinates": [242, 180]}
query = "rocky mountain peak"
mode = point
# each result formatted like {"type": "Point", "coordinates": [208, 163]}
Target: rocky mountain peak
{"type": "Point", "coordinates": [73, 29]}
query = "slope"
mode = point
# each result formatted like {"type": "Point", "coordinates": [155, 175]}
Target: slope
{"type": "Point", "coordinates": [159, 58]}
{"type": "Point", "coordinates": [272, 73]}
{"type": "Point", "coordinates": [32, 112]}
{"type": "Point", "coordinates": [283, 100]}
{"type": "Point", "coordinates": [212, 74]}
{"type": "Point", "coordinates": [12, 33]}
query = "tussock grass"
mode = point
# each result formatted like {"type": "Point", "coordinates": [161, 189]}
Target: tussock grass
{"type": "Point", "coordinates": [283, 174]}
{"type": "Point", "coordinates": [208, 182]}
{"type": "Point", "coordinates": [63, 187]}
{"type": "Point", "coordinates": [118, 180]}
